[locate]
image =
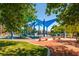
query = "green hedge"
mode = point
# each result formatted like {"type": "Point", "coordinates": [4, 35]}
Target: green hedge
{"type": "Point", "coordinates": [14, 48]}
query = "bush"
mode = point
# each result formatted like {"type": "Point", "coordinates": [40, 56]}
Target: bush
{"type": "Point", "coordinates": [13, 48]}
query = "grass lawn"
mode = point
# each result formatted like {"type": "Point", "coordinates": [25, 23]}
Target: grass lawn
{"type": "Point", "coordinates": [16, 48]}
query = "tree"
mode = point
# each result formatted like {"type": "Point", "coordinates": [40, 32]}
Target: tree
{"type": "Point", "coordinates": [58, 29]}
{"type": "Point", "coordinates": [67, 15]}
{"type": "Point", "coordinates": [15, 16]}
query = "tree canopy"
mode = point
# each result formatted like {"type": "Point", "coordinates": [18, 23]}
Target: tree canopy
{"type": "Point", "coordinates": [14, 16]}
{"type": "Point", "coordinates": [68, 14]}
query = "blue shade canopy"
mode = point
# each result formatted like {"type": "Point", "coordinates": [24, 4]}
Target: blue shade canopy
{"type": "Point", "coordinates": [31, 24]}
{"type": "Point", "coordinates": [48, 23]}
{"type": "Point", "coordinates": [35, 23]}
{"type": "Point", "coordinates": [40, 23]}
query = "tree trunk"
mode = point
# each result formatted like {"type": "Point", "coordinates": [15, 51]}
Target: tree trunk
{"type": "Point", "coordinates": [64, 34]}
{"type": "Point", "coordinates": [0, 30]}
{"type": "Point", "coordinates": [11, 35]}
{"type": "Point", "coordinates": [77, 37]}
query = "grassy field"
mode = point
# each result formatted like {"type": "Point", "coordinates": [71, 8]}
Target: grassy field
{"type": "Point", "coordinates": [16, 48]}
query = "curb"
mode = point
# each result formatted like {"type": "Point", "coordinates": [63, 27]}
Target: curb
{"type": "Point", "coordinates": [48, 53]}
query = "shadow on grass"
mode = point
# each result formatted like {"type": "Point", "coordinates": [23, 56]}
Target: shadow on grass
{"type": "Point", "coordinates": [7, 43]}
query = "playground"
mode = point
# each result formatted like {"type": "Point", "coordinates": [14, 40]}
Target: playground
{"type": "Point", "coordinates": [39, 29]}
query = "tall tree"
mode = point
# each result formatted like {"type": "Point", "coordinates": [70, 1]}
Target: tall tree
{"type": "Point", "coordinates": [67, 15]}
{"type": "Point", "coordinates": [15, 16]}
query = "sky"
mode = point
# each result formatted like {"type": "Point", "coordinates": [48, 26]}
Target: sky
{"type": "Point", "coordinates": [40, 8]}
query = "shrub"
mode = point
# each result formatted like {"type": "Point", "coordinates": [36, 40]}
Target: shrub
{"type": "Point", "coordinates": [12, 48]}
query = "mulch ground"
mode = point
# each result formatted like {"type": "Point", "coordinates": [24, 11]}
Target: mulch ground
{"type": "Point", "coordinates": [60, 47]}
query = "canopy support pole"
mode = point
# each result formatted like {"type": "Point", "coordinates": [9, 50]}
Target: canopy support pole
{"type": "Point", "coordinates": [38, 29]}
{"type": "Point", "coordinates": [44, 28]}
{"type": "Point", "coordinates": [47, 31]}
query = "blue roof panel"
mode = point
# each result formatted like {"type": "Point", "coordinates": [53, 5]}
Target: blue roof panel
{"type": "Point", "coordinates": [45, 23]}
